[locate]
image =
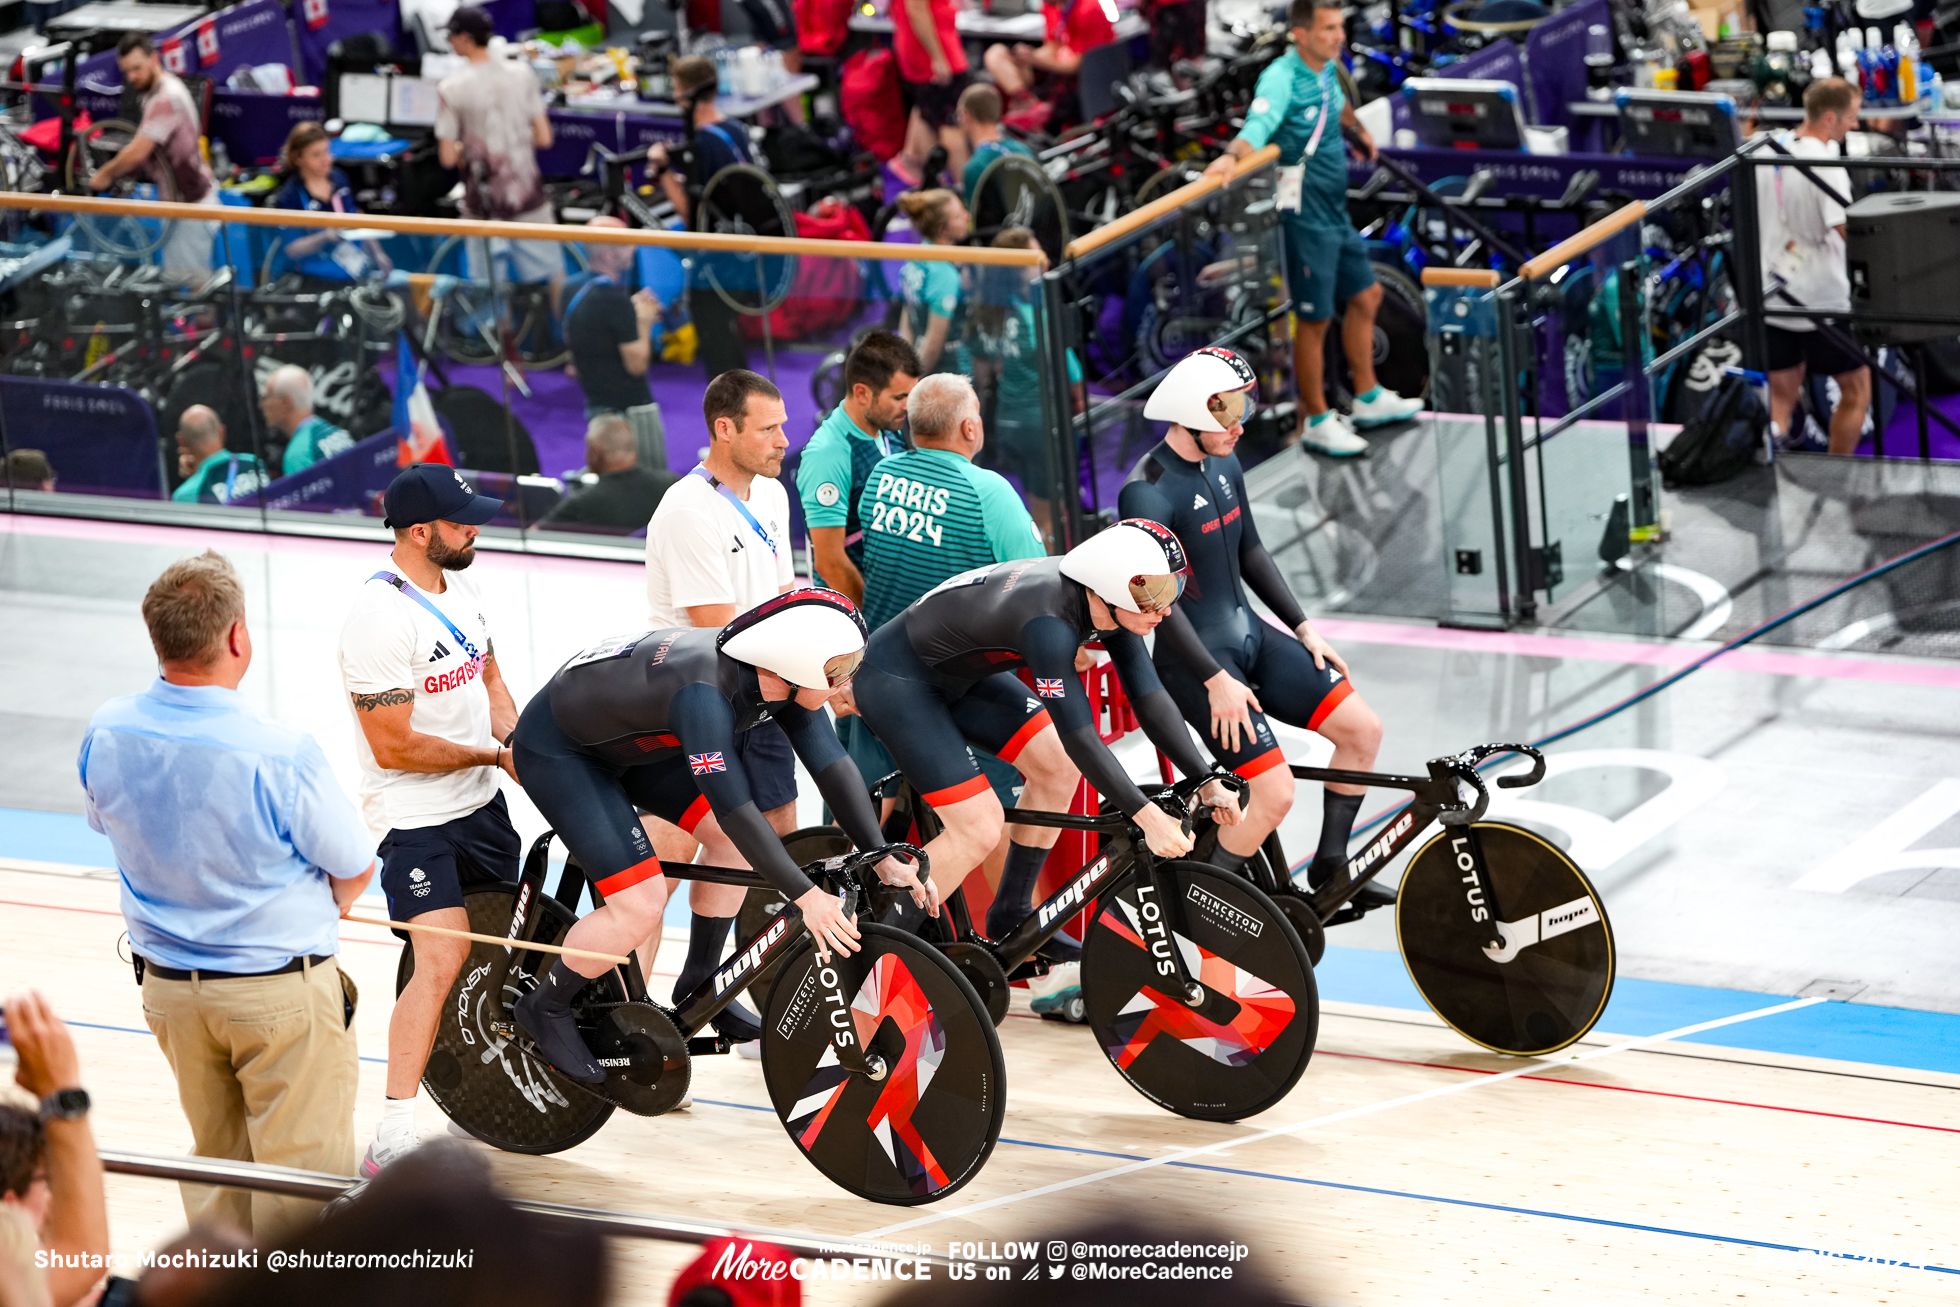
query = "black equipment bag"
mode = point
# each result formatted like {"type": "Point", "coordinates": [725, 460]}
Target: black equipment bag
{"type": "Point", "coordinates": [1721, 440]}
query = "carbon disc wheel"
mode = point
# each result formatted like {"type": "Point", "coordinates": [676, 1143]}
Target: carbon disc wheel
{"type": "Point", "coordinates": [1401, 340]}
{"type": "Point", "coordinates": [761, 906]}
{"type": "Point", "coordinates": [926, 1127]}
{"type": "Point", "coordinates": [1555, 982]}
{"type": "Point", "coordinates": [491, 1087]}
{"type": "Point", "coordinates": [1245, 1046]}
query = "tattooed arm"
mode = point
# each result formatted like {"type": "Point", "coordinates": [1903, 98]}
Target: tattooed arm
{"type": "Point", "coordinates": [503, 709]}
{"type": "Point", "coordinates": [384, 720]}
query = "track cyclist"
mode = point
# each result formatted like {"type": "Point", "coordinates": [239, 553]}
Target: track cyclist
{"type": "Point", "coordinates": [651, 719]}
{"type": "Point", "coordinates": [940, 674]}
{"type": "Point", "coordinates": [1227, 667]}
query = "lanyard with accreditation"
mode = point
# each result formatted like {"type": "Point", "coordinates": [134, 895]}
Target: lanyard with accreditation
{"type": "Point", "coordinates": [740, 507]}
{"type": "Point", "coordinates": [1292, 178]}
{"type": "Point", "coordinates": [410, 592]}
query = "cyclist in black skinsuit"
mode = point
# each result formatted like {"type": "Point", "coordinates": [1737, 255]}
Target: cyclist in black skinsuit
{"type": "Point", "coordinates": [651, 719]}
{"type": "Point", "coordinates": [1225, 665]}
{"type": "Point", "coordinates": [940, 674]}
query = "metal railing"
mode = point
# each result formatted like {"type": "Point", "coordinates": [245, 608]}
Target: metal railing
{"type": "Point", "coordinates": [294, 1183]}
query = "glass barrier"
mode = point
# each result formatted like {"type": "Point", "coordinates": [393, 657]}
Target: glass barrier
{"type": "Point", "coordinates": [1207, 272]}
{"type": "Point", "coordinates": [287, 369]}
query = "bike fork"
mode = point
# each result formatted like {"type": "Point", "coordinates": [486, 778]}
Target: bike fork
{"type": "Point", "coordinates": [1162, 906]}
{"type": "Point", "coordinates": [1467, 851]}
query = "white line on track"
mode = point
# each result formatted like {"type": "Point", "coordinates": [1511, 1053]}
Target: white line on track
{"type": "Point", "coordinates": [1185, 1154]}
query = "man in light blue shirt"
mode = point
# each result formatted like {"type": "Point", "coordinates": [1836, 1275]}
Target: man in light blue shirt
{"type": "Point", "coordinates": [238, 852]}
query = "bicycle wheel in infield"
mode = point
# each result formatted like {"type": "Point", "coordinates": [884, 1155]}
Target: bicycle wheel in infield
{"type": "Point", "coordinates": [1245, 1046]}
{"type": "Point", "coordinates": [1556, 973]}
{"type": "Point", "coordinates": [926, 1127]}
{"type": "Point", "coordinates": [489, 1086]}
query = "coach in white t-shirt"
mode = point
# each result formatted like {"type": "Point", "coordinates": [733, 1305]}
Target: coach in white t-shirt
{"type": "Point", "coordinates": [718, 545]}
{"type": "Point", "coordinates": [421, 675]}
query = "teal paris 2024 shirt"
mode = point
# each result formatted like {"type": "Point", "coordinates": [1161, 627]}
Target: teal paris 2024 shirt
{"type": "Point", "coordinates": [1287, 107]}
{"type": "Point", "coordinates": [929, 514]}
{"type": "Point", "coordinates": [832, 473]}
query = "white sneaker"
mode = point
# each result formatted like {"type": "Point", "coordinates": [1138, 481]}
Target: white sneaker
{"type": "Point", "coordinates": [1385, 407]}
{"type": "Point", "coordinates": [1333, 437]}
{"type": "Point", "coordinates": [750, 1049]}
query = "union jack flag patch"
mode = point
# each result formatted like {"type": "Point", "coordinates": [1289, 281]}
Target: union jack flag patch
{"type": "Point", "coordinates": [703, 763]}
{"type": "Point", "coordinates": [1048, 689]}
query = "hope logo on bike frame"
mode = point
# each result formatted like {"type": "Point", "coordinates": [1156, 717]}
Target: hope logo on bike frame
{"type": "Point", "coordinates": [890, 990]}
{"type": "Point", "coordinates": [1263, 1012]}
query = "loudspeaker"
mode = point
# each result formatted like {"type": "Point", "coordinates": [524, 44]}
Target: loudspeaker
{"type": "Point", "coordinates": [1903, 252]}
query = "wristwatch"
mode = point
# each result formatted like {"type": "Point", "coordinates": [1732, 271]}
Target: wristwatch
{"type": "Point", "coordinates": [65, 1105]}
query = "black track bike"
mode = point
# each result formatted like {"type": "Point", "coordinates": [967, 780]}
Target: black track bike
{"type": "Point", "coordinates": [883, 1066]}
{"type": "Point", "coordinates": [1195, 985]}
{"type": "Point", "coordinates": [1503, 935]}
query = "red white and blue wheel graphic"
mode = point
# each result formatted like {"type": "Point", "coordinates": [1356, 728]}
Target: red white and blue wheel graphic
{"type": "Point", "coordinates": [929, 1123]}
{"type": "Point", "coordinates": [1247, 1042]}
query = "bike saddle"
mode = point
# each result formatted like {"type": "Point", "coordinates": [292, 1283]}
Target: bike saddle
{"type": "Point", "coordinates": [1375, 184]}
{"type": "Point", "coordinates": [1480, 183]}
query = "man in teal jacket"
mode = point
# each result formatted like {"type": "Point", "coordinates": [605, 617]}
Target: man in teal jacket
{"type": "Point", "coordinates": [1299, 105]}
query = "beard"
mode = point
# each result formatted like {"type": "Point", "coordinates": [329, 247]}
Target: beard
{"type": "Point", "coordinates": [450, 560]}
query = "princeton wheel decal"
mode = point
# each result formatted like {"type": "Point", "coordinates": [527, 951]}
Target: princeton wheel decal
{"type": "Point", "coordinates": [1264, 1010]}
{"type": "Point", "coordinates": [890, 991]}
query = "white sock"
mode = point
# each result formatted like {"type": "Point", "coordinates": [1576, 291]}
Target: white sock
{"type": "Point", "coordinates": [397, 1128]}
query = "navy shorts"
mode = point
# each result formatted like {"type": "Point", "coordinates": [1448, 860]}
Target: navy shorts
{"type": "Point", "coordinates": [429, 867]}
{"type": "Point", "coordinates": [770, 764]}
{"type": "Point", "coordinates": [1280, 671]}
{"type": "Point", "coordinates": [1326, 266]}
{"type": "Point", "coordinates": [931, 730]}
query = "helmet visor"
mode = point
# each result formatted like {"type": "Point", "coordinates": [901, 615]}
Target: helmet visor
{"type": "Point", "coordinates": [838, 671]}
{"type": "Point", "coordinates": [1229, 408]}
{"type": "Point", "coordinates": [1156, 594]}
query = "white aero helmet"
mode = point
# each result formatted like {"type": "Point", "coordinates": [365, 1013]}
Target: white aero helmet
{"type": "Point", "coordinates": [812, 638]}
{"type": "Point", "coordinates": [1137, 565]}
{"type": "Point", "coordinates": [1185, 394]}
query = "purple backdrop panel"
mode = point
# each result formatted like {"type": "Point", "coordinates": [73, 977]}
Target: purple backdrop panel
{"type": "Point", "coordinates": [637, 131]}
{"type": "Point", "coordinates": [1497, 62]}
{"type": "Point", "coordinates": [573, 134]}
{"type": "Point", "coordinates": [1544, 175]}
{"type": "Point", "coordinates": [513, 17]}
{"type": "Point", "coordinates": [346, 18]}
{"type": "Point", "coordinates": [91, 97]}
{"type": "Point", "coordinates": [254, 124]}
{"type": "Point", "coordinates": [255, 32]}
{"type": "Point", "coordinates": [100, 439]}
{"type": "Point", "coordinates": [1555, 52]}
{"type": "Point", "coordinates": [344, 483]}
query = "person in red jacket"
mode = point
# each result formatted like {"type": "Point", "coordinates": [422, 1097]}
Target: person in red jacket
{"type": "Point", "coordinates": [933, 70]}
{"type": "Point", "coordinates": [1073, 27]}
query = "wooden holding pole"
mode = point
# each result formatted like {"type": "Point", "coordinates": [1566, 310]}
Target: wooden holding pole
{"type": "Point", "coordinates": [1573, 246]}
{"type": "Point", "coordinates": [524, 231]}
{"type": "Point", "coordinates": [1475, 278]}
{"type": "Point", "coordinates": [521, 946]}
{"type": "Point", "coordinates": [1164, 204]}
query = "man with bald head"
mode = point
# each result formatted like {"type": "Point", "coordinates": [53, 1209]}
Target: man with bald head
{"type": "Point", "coordinates": [212, 474]}
{"type": "Point", "coordinates": [608, 328]}
{"type": "Point", "coordinates": [624, 495]}
{"type": "Point", "coordinates": [288, 408]}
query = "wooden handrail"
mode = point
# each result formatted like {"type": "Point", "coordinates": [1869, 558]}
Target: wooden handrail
{"type": "Point", "coordinates": [1164, 204]}
{"type": "Point", "coordinates": [1579, 242]}
{"type": "Point", "coordinates": [1479, 278]}
{"type": "Point", "coordinates": [524, 231]}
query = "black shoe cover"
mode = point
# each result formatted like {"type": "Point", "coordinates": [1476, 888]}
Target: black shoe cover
{"type": "Point", "coordinates": [737, 1024]}
{"type": "Point", "coordinates": [557, 1037]}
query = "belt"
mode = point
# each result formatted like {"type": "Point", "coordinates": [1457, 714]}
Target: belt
{"type": "Point", "coordinates": [171, 973]}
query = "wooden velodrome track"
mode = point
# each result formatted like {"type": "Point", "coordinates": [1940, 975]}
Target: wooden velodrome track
{"type": "Point", "coordinates": [1407, 1166]}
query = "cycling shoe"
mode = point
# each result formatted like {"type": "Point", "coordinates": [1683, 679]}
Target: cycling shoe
{"type": "Point", "coordinates": [737, 1024]}
{"type": "Point", "coordinates": [1058, 995]}
{"type": "Point", "coordinates": [1061, 947]}
{"type": "Point", "coordinates": [556, 1035]}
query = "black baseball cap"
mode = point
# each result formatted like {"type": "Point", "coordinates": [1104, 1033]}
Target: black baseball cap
{"type": "Point", "coordinates": [473, 22]}
{"type": "Point", "coordinates": [435, 492]}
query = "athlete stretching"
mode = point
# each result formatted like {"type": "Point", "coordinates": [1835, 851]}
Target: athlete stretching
{"type": "Point", "coordinates": [1223, 664]}
{"type": "Point", "coordinates": [651, 720]}
{"type": "Point", "coordinates": [940, 674]}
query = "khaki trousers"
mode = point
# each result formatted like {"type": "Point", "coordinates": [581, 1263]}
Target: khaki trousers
{"type": "Point", "coordinates": [267, 1072]}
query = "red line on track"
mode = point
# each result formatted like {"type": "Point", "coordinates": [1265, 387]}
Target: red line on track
{"type": "Point", "coordinates": [1652, 1093]}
